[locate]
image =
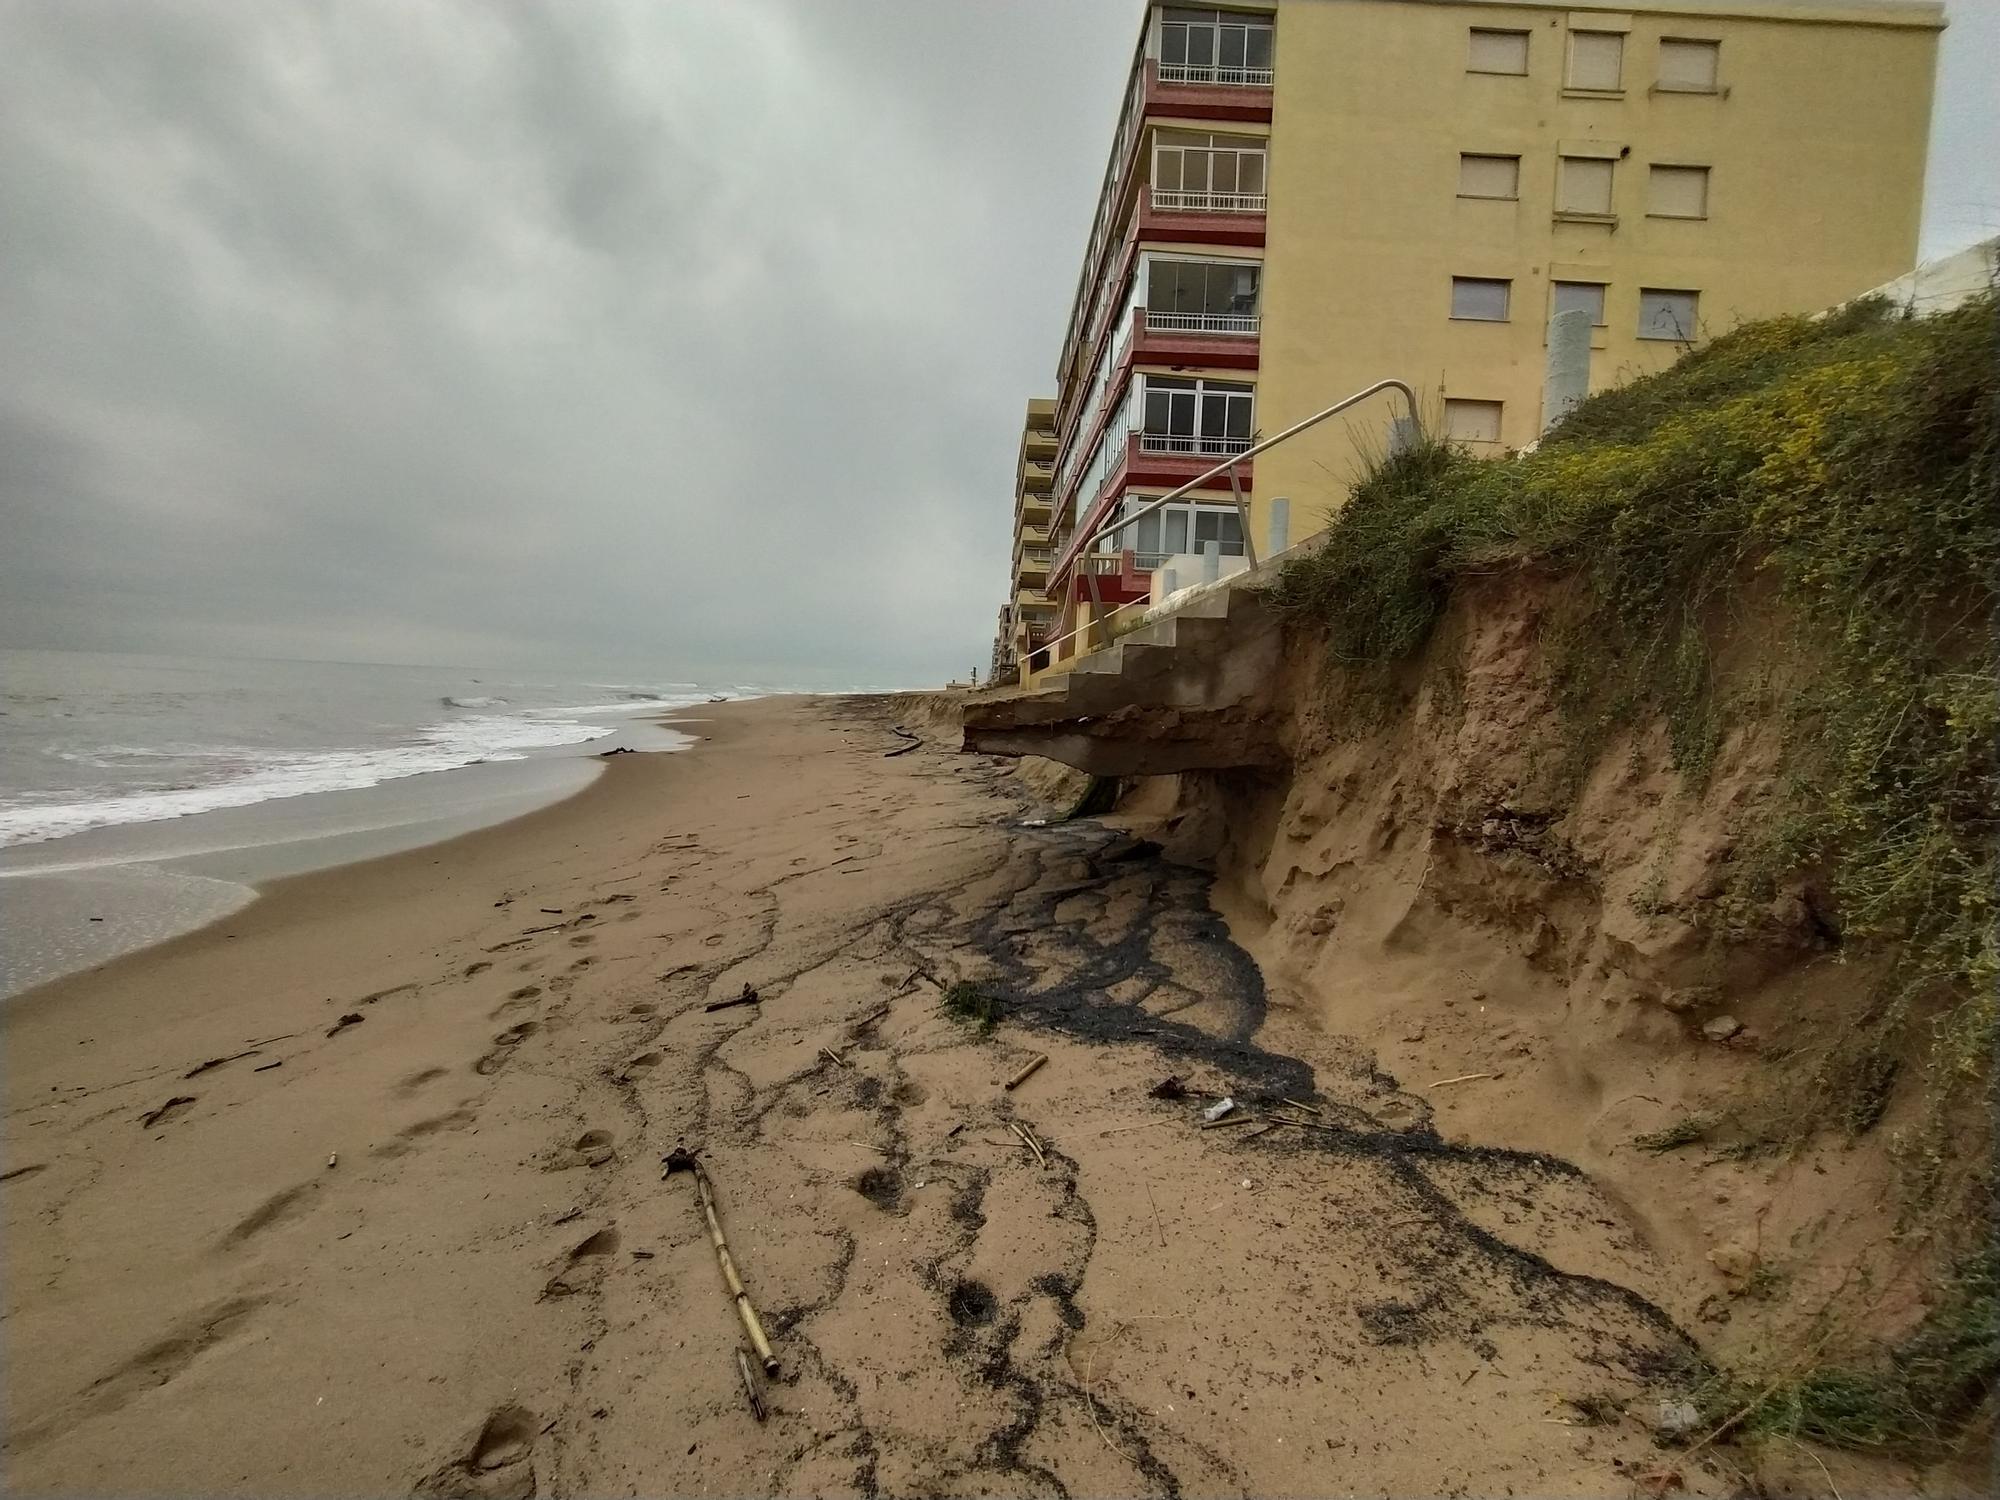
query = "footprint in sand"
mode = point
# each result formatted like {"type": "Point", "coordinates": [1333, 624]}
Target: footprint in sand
{"type": "Point", "coordinates": [595, 1148]}
{"type": "Point", "coordinates": [416, 1080]}
{"type": "Point", "coordinates": [583, 1265]}
{"type": "Point", "coordinates": [504, 1045]}
{"type": "Point", "coordinates": [479, 968]}
{"type": "Point", "coordinates": [583, 963]}
{"type": "Point", "coordinates": [644, 1062]}
{"type": "Point", "coordinates": [274, 1210]}
{"type": "Point", "coordinates": [495, 1463]}
{"type": "Point", "coordinates": [582, 940]}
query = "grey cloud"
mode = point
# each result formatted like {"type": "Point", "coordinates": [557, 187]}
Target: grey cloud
{"type": "Point", "coordinates": [679, 338]}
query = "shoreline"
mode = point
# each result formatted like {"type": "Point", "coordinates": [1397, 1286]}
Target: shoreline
{"type": "Point", "coordinates": [371, 1170]}
{"type": "Point", "coordinates": [92, 897]}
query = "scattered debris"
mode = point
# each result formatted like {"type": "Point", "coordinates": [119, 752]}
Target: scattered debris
{"type": "Point", "coordinates": [900, 732]}
{"type": "Point", "coordinates": [748, 997]}
{"type": "Point", "coordinates": [1658, 1482]}
{"type": "Point", "coordinates": [749, 1378]}
{"type": "Point", "coordinates": [333, 1158]}
{"type": "Point", "coordinates": [1221, 1109]}
{"type": "Point", "coordinates": [855, 1028]}
{"type": "Point", "coordinates": [1676, 1418]}
{"type": "Point", "coordinates": [1027, 1071]}
{"type": "Point", "coordinates": [618, 750]}
{"type": "Point", "coordinates": [1721, 1028]}
{"type": "Point", "coordinates": [352, 1018]}
{"type": "Point", "coordinates": [1463, 1078]}
{"type": "Point", "coordinates": [216, 1062]}
{"type": "Point", "coordinates": [1229, 1120]}
{"type": "Point", "coordinates": [1169, 1087]}
{"type": "Point", "coordinates": [1311, 1109]}
{"type": "Point", "coordinates": [1028, 1139]}
{"type": "Point", "coordinates": [680, 1159]}
{"type": "Point", "coordinates": [833, 1057]}
{"type": "Point", "coordinates": [153, 1117]}
{"type": "Point", "coordinates": [552, 911]}
{"type": "Point", "coordinates": [266, 1067]}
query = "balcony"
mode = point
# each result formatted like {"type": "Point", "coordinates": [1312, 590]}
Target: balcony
{"type": "Point", "coordinates": [1214, 449]}
{"type": "Point", "coordinates": [1038, 475]}
{"type": "Point", "coordinates": [1197, 340]}
{"type": "Point", "coordinates": [1194, 218]}
{"type": "Point", "coordinates": [1239, 78]}
{"type": "Point", "coordinates": [1039, 442]}
{"type": "Point", "coordinates": [1170, 201]}
{"type": "Point", "coordinates": [1031, 536]}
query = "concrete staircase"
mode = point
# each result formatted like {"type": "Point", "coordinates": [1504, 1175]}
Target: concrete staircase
{"type": "Point", "coordinates": [1184, 691]}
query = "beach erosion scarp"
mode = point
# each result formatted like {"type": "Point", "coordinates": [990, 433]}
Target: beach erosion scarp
{"type": "Point", "coordinates": [361, 1189]}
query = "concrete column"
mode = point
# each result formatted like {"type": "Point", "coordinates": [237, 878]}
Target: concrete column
{"type": "Point", "coordinates": [1168, 583]}
{"type": "Point", "coordinates": [1280, 536]}
{"type": "Point", "coordinates": [1211, 561]}
{"type": "Point", "coordinates": [1567, 380]}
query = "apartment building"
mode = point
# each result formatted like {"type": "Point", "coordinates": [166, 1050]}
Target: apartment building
{"type": "Point", "coordinates": [1029, 616]}
{"type": "Point", "coordinates": [1306, 196]}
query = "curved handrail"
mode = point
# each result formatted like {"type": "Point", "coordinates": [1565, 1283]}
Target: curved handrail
{"type": "Point", "coordinates": [1229, 464]}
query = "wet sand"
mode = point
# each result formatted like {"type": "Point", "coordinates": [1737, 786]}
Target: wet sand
{"type": "Point", "coordinates": [431, 1249]}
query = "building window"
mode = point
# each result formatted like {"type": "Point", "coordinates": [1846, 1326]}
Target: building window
{"type": "Point", "coordinates": [1688, 66]}
{"type": "Point", "coordinates": [1211, 417]}
{"type": "Point", "coordinates": [1597, 61]}
{"type": "Point", "coordinates": [1497, 52]}
{"type": "Point", "coordinates": [1584, 186]}
{"type": "Point", "coordinates": [1578, 296]}
{"type": "Point", "coordinates": [1677, 192]}
{"type": "Point", "coordinates": [1208, 46]}
{"type": "Point", "coordinates": [1208, 173]}
{"type": "Point", "coordinates": [1480, 299]}
{"type": "Point", "coordinates": [1194, 296]}
{"type": "Point", "coordinates": [1665, 314]}
{"type": "Point", "coordinates": [1176, 529]}
{"type": "Point", "coordinates": [1488, 176]}
{"type": "Point", "coordinates": [1472, 421]}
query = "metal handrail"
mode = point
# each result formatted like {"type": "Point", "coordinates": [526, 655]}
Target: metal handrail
{"type": "Point", "coordinates": [1228, 466]}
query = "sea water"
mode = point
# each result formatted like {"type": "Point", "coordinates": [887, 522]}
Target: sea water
{"type": "Point", "coordinates": [141, 796]}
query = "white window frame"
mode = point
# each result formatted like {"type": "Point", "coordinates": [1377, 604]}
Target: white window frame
{"type": "Point", "coordinates": [1206, 199]}
{"type": "Point", "coordinates": [1215, 24]}
{"type": "Point", "coordinates": [1188, 515]}
{"type": "Point", "coordinates": [1204, 392]}
{"type": "Point", "coordinates": [1241, 324]}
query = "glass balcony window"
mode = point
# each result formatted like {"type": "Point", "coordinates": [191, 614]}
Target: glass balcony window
{"type": "Point", "coordinates": [1206, 173]}
{"type": "Point", "coordinates": [1210, 46]}
{"type": "Point", "coordinates": [1192, 296]}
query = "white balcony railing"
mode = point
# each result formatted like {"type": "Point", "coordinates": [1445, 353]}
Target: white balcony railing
{"type": "Point", "coordinates": [1172, 201]}
{"type": "Point", "coordinates": [1208, 446]}
{"type": "Point", "coordinates": [1254, 78]}
{"type": "Point", "coordinates": [1173, 322]}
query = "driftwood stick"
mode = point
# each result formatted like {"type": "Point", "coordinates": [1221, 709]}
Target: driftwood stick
{"type": "Point", "coordinates": [748, 997]}
{"type": "Point", "coordinates": [833, 1057]}
{"type": "Point", "coordinates": [1027, 1071]}
{"type": "Point", "coordinates": [750, 1385]}
{"type": "Point", "coordinates": [1224, 1124]}
{"type": "Point", "coordinates": [1311, 1109]}
{"type": "Point", "coordinates": [1462, 1078]}
{"type": "Point", "coordinates": [904, 750]}
{"type": "Point", "coordinates": [870, 1019]}
{"type": "Point", "coordinates": [1028, 1139]}
{"type": "Point", "coordinates": [683, 1160]}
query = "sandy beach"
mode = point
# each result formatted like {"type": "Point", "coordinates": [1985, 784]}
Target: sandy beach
{"type": "Point", "coordinates": [359, 1191]}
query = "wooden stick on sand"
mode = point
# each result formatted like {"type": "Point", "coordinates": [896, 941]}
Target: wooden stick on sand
{"type": "Point", "coordinates": [682, 1160]}
{"type": "Point", "coordinates": [1022, 1077]}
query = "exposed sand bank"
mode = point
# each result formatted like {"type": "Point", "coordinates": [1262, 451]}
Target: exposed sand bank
{"type": "Point", "coordinates": [479, 1297]}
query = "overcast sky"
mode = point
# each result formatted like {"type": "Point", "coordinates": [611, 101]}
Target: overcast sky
{"type": "Point", "coordinates": [688, 338]}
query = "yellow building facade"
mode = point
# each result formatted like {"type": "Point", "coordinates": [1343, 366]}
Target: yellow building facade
{"type": "Point", "coordinates": [1307, 196]}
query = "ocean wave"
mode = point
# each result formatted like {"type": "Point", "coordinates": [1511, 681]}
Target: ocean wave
{"type": "Point", "coordinates": [437, 747]}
